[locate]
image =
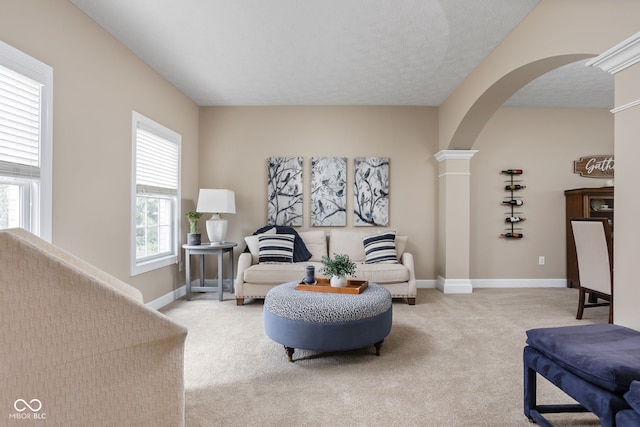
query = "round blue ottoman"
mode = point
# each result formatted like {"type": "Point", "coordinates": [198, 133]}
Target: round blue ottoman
{"type": "Point", "coordinates": [327, 321]}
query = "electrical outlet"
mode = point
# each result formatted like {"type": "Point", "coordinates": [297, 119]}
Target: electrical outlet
{"type": "Point", "coordinates": [541, 260]}
{"type": "Point", "coordinates": [180, 266]}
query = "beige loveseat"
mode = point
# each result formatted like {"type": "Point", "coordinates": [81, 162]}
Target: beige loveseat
{"type": "Point", "coordinates": [78, 347]}
{"type": "Point", "coordinates": [254, 279]}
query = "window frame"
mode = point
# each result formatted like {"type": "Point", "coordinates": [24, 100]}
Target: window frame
{"type": "Point", "coordinates": [144, 265]}
{"type": "Point", "coordinates": [40, 213]}
{"type": "Point", "coordinates": [27, 191]}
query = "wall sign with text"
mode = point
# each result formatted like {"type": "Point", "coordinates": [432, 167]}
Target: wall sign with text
{"type": "Point", "coordinates": [595, 166]}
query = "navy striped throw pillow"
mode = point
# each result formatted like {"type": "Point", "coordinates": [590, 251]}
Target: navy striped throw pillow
{"type": "Point", "coordinates": [275, 248]}
{"type": "Point", "coordinates": [380, 248]}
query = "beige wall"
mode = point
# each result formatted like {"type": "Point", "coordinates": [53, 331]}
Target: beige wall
{"type": "Point", "coordinates": [97, 84]}
{"type": "Point", "coordinates": [544, 142]}
{"type": "Point", "coordinates": [235, 144]}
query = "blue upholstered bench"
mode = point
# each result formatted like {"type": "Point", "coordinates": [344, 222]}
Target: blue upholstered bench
{"type": "Point", "coordinates": [594, 364]}
{"type": "Point", "coordinates": [630, 417]}
{"type": "Point", "coordinates": [327, 321]}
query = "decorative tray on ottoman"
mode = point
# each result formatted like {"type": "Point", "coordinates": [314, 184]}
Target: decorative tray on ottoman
{"type": "Point", "coordinates": [323, 285]}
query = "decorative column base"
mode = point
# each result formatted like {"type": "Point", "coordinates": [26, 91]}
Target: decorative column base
{"type": "Point", "coordinates": [454, 286]}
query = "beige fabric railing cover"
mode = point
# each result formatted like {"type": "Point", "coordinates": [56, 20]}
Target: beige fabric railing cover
{"type": "Point", "coordinates": [80, 346]}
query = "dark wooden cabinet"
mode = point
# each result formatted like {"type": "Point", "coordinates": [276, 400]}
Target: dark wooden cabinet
{"type": "Point", "coordinates": [585, 203]}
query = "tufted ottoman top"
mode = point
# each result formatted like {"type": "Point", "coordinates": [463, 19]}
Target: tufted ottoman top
{"type": "Point", "coordinates": [323, 307]}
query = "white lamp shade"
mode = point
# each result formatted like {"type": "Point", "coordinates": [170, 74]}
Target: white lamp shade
{"type": "Point", "coordinates": [214, 200]}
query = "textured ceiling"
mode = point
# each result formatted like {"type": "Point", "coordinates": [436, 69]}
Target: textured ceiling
{"type": "Point", "coordinates": [332, 52]}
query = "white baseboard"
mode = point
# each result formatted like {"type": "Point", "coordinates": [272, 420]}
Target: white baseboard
{"type": "Point", "coordinates": [519, 283]}
{"type": "Point", "coordinates": [426, 284]}
{"type": "Point", "coordinates": [454, 286]}
{"type": "Point", "coordinates": [167, 299]}
{"type": "Point", "coordinates": [421, 284]}
{"type": "Point", "coordinates": [497, 283]}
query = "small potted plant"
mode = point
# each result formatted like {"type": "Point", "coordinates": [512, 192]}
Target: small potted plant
{"type": "Point", "coordinates": [337, 268]}
{"type": "Point", "coordinates": [193, 237]}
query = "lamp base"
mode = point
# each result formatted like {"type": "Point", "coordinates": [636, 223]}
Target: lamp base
{"type": "Point", "coordinates": [216, 229]}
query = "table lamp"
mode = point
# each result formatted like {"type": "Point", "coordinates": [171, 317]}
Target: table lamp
{"type": "Point", "coordinates": [216, 201]}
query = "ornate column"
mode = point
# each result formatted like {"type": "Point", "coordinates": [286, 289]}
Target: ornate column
{"type": "Point", "coordinates": [454, 220]}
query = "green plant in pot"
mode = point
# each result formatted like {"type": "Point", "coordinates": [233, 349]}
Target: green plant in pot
{"type": "Point", "coordinates": [337, 268]}
{"type": "Point", "coordinates": [193, 237]}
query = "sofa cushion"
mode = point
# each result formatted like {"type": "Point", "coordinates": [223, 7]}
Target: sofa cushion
{"type": "Point", "coordinates": [277, 273]}
{"type": "Point", "coordinates": [348, 242]}
{"type": "Point", "coordinates": [382, 273]}
{"type": "Point", "coordinates": [276, 248]}
{"type": "Point", "coordinates": [282, 273]}
{"type": "Point", "coordinates": [316, 242]}
{"type": "Point", "coordinates": [380, 248]}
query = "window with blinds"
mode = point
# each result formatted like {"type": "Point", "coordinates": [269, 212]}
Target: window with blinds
{"type": "Point", "coordinates": [19, 125]}
{"type": "Point", "coordinates": [156, 190]}
{"type": "Point", "coordinates": [25, 142]}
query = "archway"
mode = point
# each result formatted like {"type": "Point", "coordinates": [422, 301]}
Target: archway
{"type": "Point", "coordinates": [499, 92]}
{"type": "Point", "coordinates": [454, 257]}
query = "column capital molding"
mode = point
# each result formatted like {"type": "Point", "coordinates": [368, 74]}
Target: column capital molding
{"type": "Point", "coordinates": [619, 57]}
{"type": "Point", "coordinates": [454, 155]}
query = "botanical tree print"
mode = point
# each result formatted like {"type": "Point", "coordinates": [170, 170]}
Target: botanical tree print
{"type": "Point", "coordinates": [328, 195]}
{"type": "Point", "coordinates": [284, 191]}
{"type": "Point", "coordinates": [371, 191]}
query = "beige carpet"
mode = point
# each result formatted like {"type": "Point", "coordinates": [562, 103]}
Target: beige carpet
{"type": "Point", "coordinates": [450, 360]}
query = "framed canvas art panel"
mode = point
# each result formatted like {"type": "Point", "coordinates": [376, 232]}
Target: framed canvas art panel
{"type": "Point", "coordinates": [328, 195]}
{"type": "Point", "coordinates": [371, 191]}
{"type": "Point", "coordinates": [284, 191]}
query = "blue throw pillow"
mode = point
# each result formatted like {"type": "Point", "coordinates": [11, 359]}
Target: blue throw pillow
{"type": "Point", "coordinates": [276, 248]}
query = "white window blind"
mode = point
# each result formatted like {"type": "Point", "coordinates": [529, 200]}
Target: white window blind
{"type": "Point", "coordinates": [19, 125]}
{"type": "Point", "coordinates": [26, 142]}
{"type": "Point", "coordinates": [157, 163]}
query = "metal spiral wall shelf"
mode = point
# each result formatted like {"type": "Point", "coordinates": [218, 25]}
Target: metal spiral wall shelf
{"type": "Point", "coordinates": [513, 201]}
